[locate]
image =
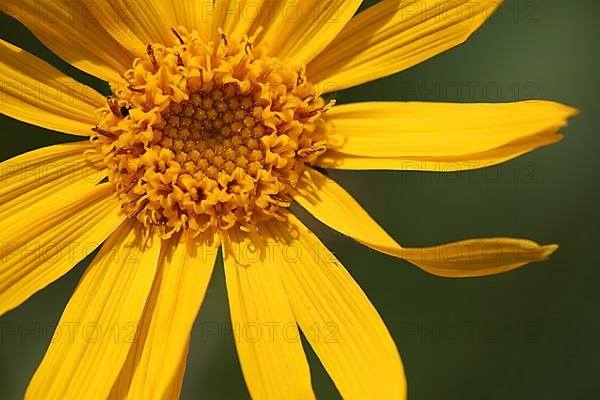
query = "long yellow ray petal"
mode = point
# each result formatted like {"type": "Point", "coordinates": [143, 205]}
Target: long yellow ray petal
{"type": "Point", "coordinates": [335, 207]}
{"type": "Point", "coordinates": [38, 175]}
{"type": "Point", "coordinates": [269, 349]}
{"type": "Point", "coordinates": [301, 30]}
{"type": "Point", "coordinates": [72, 30]}
{"type": "Point", "coordinates": [442, 131]}
{"type": "Point", "coordinates": [138, 23]}
{"type": "Point", "coordinates": [42, 243]}
{"type": "Point", "coordinates": [207, 16]}
{"type": "Point", "coordinates": [338, 320]}
{"type": "Point", "coordinates": [241, 17]}
{"type": "Point", "coordinates": [35, 92]}
{"type": "Point", "coordinates": [335, 160]}
{"type": "Point", "coordinates": [154, 361]}
{"type": "Point", "coordinates": [176, 385]}
{"type": "Point", "coordinates": [101, 321]}
{"type": "Point", "coordinates": [394, 35]}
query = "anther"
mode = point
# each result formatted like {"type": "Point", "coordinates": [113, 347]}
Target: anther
{"type": "Point", "coordinates": [104, 132]}
{"type": "Point", "coordinates": [138, 207]}
{"type": "Point", "coordinates": [124, 151]}
{"type": "Point", "coordinates": [113, 104]}
{"type": "Point", "coordinates": [316, 148]}
{"type": "Point", "coordinates": [248, 48]}
{"type": "Point", "coordinates": [177, 35]}
{"type": "Point", "coordinates": [224, 37]}
{"type": "Point", "coordinates": [280, 200]}
{"type": "Point", "coordinates": [124, 111]}
{"type": "Point", "coordinates": [179, 60]}
{"type": "Point", "coordinates": [150, 52]}
{"type": "Point", "coordinates": [137, 90]}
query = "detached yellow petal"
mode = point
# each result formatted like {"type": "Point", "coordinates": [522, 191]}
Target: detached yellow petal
{"type": "Point", "coordinates": [441, 136]}
{"type": "Point", "coordinates": [477, 257]}
{"type": "Point", "coordinates": [155, 360]}
{"type": "Point", "coordinates": [392, 36]}
{"type": "Point", "coordinates": [101, 321]}
{"type": "Point", "coordinates": [42, 243]}
{"type": "Point", "coordinates": [338, 320]}
{"type": "Point", "coordinates": [301, 30]}
{"type": "Point", "coordinates": [331, 204]}
{"type": "Point", "coordinates": [266, 335]}
{"type": "Point", "coordinates": [35, 92]}
{"type": "Point", "coordinates": [38, 175]}
{"type": "Point", "coordinates": [72, 30]}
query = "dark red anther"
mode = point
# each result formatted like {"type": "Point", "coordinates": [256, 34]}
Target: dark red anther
{"type": "Point", "coordinates": [177, 35]}
{"type": "Point", "coordinates": [150, 52]}
{"type": "Point", "coordinates": [104, 133]}
{"type": "Point", "coordinates": [179, 60]}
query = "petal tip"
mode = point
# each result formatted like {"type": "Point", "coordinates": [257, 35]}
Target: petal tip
{"type": "Point", "coordinates": [547, 250]}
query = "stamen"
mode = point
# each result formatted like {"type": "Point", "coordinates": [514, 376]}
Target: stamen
{"type": "Point", "coordinates": [248, 48]}
{"type": "Point", "coordinates": [134, 89]}
{"type": "Point", "coordinates": [113, 104]}
{"type": "Point", "coordinates": [181, 41]}
{"type": "Point", "coordinates": [124, 111]}
{"type": "Point", "coordinates": [104, 132]}
{"type": "Point", "coordinates": [179, 60]}
{"type": "Point", "coordinates": [150, 52]}
{"type": "Point", "coordinates": [314, 149]}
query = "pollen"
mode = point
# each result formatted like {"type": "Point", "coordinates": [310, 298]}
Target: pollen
{"type": "Point", "coordinates": [209, 134]}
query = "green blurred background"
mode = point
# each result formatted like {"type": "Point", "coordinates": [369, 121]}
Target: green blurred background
{"type": "Point", "coordinates": [531, 333]}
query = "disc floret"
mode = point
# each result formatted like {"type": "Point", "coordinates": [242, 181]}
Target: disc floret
{"type": "Point", "coordinates": [209, 134]}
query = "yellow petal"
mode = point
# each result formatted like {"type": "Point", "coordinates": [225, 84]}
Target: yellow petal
{"type": "Point", "coordinates": [38, 175]}
{"type": "Point", "coordinates": [155, 360]}
{"type": "Point", "coordinates": [477, 257]}
{"type": "Point", "coordinates": [338, 320]}
{"type": "Point", "coordinates": [176, 384]}
{"type": "Point", "coordinates": [73, 31]}
{"type": "Point", "coordinates": [268, 345]}
{"type": "Point", "coordinates": [101, 321]}
{"type": "Point", "coordinates": [301, 30]}
{"type": "Point", "coordinates": [138, 23]}
{"type": "Point", "coordinates": [336, 160]}
{"type": "Point", "coordinates": [442, 133]}
{"type": "Point", "coordinates": [331, 204]}
{"type": "Point", "coordinates": [42, 243]}
{"type": "Point", "coordinates": [392, 36]}
{"type": "Point", "coordinates": [208, 17]}
{"type": "Point", "coordinates": [35, 92]}
{"type": "Point", "coordinates": [241, 17]}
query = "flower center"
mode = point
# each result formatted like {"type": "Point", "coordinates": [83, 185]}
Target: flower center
{"type": "Point", "coordinates": [209, 134]}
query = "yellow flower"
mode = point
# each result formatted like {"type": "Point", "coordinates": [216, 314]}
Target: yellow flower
{"type": "Point", "coordinates": [215, 126]}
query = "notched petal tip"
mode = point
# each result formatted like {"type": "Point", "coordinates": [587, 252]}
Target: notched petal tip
{"type": "Point", "coordinates": [546, 251]}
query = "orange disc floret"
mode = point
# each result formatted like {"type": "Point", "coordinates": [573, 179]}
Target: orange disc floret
{"type": "Point", "coordinates": [210, 134]}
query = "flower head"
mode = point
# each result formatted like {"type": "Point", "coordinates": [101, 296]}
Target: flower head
{"type": "Point", "coordinates": [215, 125]}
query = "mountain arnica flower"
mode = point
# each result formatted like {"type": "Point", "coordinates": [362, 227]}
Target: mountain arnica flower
{"type": "Point", "coordinates": [220, 117]}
